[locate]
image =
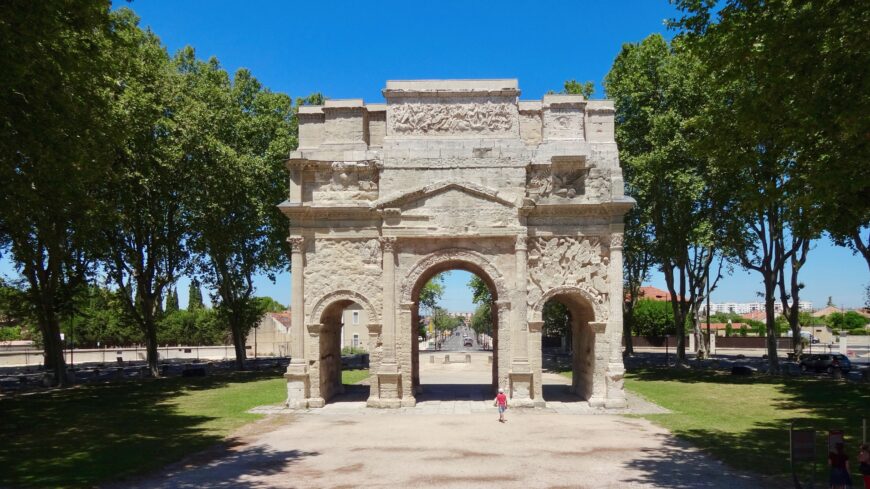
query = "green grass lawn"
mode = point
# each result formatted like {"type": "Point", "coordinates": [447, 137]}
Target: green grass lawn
{"type": "Point", "coordinates": [94, 433]}
{"type": "Point", "coordinates": [354, 376]}
{"type": "Point", "coordinates": [744, 421]}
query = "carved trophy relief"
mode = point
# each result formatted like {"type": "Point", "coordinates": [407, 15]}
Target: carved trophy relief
{"type": "Point", "coordinates": [598, 184]}
{"type": "Point", "coordinates": [421, 118]}
{"type": "Point", "coordinates": [346, 181]}
{"type": "Point", "coordinates": [560, 261]}
{"type": "Point", "coordinates": [567, 182]}
{"type": "Point", "coordinates": [370, 253]}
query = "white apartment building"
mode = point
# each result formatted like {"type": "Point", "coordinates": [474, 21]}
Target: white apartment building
{"type": "Point", "coordinates": [747, 307]}
{"type": "Point", "coordinates": [354, 331]}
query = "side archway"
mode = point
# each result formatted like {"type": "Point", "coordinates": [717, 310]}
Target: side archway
{"type": "Point", "coordinates": [580, 296]}
{"type": "Point", "coordinates": [325, 327]}
{"type": "Point", "coordinates": [344, 295]}
{"type": "Point", "coordinates": [582, 334]}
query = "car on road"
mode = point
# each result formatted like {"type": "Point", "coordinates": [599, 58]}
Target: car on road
{"type": "Point", "coordinates": [468, 342]}
{"type": "Point", "coordinates": [827, 362]}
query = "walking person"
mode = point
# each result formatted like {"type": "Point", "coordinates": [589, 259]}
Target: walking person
{"type": "Point", "coordinates": [864, 464]}
{"type": "Point", "coordinates": [501, 402]}
{"type": "Point", "coordinates": [839, 462]}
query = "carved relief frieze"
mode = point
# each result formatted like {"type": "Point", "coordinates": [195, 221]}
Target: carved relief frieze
{"type": "Point", "coordinates": [428, 118]}
{"type": "Point", "coordinates": [339, 264]}
{"type": "Point", "coordinates": [567, 182]}
{"type": "Point", "coordinates": [341, 181]}
{"type": "Point", "coordinates": [559, 261]}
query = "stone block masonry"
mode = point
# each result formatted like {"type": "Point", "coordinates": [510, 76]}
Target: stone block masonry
{"type": "Point", "coordinates": [456, 174]}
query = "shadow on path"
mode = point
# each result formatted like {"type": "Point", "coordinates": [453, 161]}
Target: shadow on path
{"type": "Point", "coordinates": [560, 393]}
{"type": "Point", "coordinates": [233, 470]}
{"type": "Point", "coordinates": [352, 393]}
{"type": "Point", "coordinates": [456, 392]}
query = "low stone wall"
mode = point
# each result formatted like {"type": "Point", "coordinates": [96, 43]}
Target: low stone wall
{"type": "Point", "coordinates": [32, 358]}
{"type": "Point", "coordinates": [750, 342]}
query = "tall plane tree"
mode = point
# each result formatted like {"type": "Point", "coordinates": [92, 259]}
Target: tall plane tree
{"type": "Point", "coordinates": [657, 89]}
{"type": "Point", "coordinates": [244, 135]}
{"type": "Point", "coordinates": [787, 128]}
{"type": "Point", "coordinates": [145, 243]}
{"type": "Point", "coordinates": [56, 85]}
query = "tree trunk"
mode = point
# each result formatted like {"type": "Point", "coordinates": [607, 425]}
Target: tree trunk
{"type": "Point", "coordinates": [149, 323]}
{"type": "Point", "coordinates": [238, 345]}
{"type": "Point", "coordinates": [53, 349]}
{"type": "Point", "coordinates": [770, 316]}
{"type": "Point", "coordinates": [679, 313]}
{"type": "Point", "coordinates": [863, 248]}
{"type": "Point", "coordinates": [699, 335]}
{"type": "Point", "coordinates": [627, 323]}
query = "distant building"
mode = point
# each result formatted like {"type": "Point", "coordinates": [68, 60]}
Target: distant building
{"type": "Point", "coordinates": [354, 331]}
{"type": "Point", "coordinates": [271, 337]}
{"type": "Point", "coordinates": [720, 329]}
{"type": "Point", "coordinates": [750, 307]}
{"type": "Point", "coordinates": [654, 293]}
{"type": "Point", "coordinates": [821, 333]}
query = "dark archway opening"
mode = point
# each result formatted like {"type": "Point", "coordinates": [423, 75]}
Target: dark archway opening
{"type": "Point", "coordinates": [336, 319]}
{"type": "Point", "coordinates": [568, 345]}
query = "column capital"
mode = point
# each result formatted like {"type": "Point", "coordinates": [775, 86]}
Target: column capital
{"type": "Point", "coordinates": [407, 306]}
{"type": "Point", "coordinates": [296, 243]}
{"type": "Point", "coordinates": [503, 305]}
{"type": "Point", "coordinates": [388, 243]}
{"type": "Point", "coordinates": [314, 328]}
{"type": "Point", "coordinates": [616, 240]}
{"type": "Point", "coordinates": [521, 244]}
{"type": "Point", "coordinates": [536, 326]}
{"type": "Point", "coordinates": [374, 328]}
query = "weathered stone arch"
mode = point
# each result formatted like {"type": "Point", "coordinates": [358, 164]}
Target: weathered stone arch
{"type": "Point", "coordinates": [452, 256]}
{"type": "Point", "coordinates": [342, 295]}
{"type": "Point", "coordinates": [536, 311]}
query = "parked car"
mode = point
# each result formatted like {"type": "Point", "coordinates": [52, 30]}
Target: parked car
{"type": "Point", "coordinates": [468, 342]}
{"type": "Point", "coordinates": [826, 362]}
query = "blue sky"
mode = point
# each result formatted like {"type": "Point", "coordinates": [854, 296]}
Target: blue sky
{"type": "Point", "coordinates": [349, 50]}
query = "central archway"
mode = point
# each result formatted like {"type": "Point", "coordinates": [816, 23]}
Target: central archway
{"type": "Point", "coordinates": [447, 260]}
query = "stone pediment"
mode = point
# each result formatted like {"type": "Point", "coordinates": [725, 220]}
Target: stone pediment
{"type": "Point", "coordinates": [404, 199]}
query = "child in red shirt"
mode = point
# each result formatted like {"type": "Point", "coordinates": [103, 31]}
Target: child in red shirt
{"type": "Point", "coordinates": [501, 402]}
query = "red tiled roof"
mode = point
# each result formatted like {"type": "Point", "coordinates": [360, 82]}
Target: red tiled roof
{"type": "Point", "coordinates": [718, 326]}
{"type": "Point", "coordinates": [654, 293]}
{"type": "Point", "coordinates": [282, 317]}
{"type": "Point", "coordinates": [755, 315]}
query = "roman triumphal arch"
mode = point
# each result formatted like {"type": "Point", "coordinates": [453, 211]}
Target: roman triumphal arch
{"type": "Point", "coordinates": [456, 174]}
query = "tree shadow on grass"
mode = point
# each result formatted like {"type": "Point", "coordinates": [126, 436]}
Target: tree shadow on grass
{"type": "Point", "coordinates": [91, 433]}
{"type": "Point", "coordinates": [820, 404]}
{"type": "Point", "coordinates": [234, 469]}
{"type": "Point", "coordinates": [677, 465]}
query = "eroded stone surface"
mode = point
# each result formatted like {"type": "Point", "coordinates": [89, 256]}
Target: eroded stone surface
{"type": "Point", "coordinates": [456, 174]}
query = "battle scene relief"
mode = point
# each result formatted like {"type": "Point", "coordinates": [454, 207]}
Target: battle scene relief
{"type": "Point", "coordinates": [425, 118]}
{"type": "Point", "coordinates": [559, 261]}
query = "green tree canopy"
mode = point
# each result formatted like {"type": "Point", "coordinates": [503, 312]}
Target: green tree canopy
{"type": "Point", "coordinates": [58, 77]}
{"type": "Point", "coordinates": [431, 293]}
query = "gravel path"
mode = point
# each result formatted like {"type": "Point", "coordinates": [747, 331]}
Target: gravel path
{"type": "Point", "coordinates": [453, 443]}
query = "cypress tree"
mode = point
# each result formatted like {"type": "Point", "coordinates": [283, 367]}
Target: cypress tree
{"type": "Point", "coordinates": [194, 296]}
